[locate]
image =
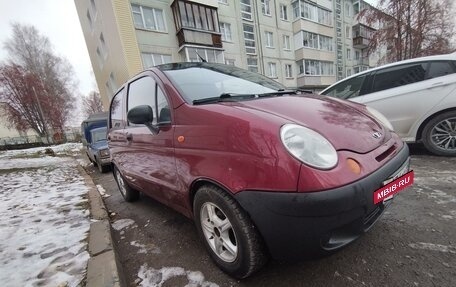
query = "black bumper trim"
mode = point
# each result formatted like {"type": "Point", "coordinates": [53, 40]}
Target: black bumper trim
{"type": "Point", "coordinates": [296, 224]}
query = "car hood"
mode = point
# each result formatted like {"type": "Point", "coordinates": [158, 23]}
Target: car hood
{"type": "Point", "coordinates": [99, 145]}
{"type": "Point", "coordinates": [344, 124]}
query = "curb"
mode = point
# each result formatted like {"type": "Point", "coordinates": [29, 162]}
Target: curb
{"type": "Point", "coordinates": [103, 268]}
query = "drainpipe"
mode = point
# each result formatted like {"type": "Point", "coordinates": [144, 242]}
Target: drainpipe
{"type": "Point", "coordinates": [260, 42]}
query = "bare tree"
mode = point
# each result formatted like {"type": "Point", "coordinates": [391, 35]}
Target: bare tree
{"type": "Point", "coordinates": [36, 78]}
{"type": "Point", "coordinates": [411, 28]}
{"type": "Point", "coordinates": [92, 103]}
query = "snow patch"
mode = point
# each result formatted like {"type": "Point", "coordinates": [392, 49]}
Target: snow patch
{"type": "Point", "coordinates": [45, 222]}
{"type": "Point", "coordinates": [102, 191]}
{"type": "Point", "coordinates": [151, 277]}
{"type": "Point", "coordinates": [122, 223]}
{"type": "Point", "coordinates": [62, 149]}
{"type": "Point", "coordinates": [142, 247]}
{"type": "Point", "coordinates": [433, 247]}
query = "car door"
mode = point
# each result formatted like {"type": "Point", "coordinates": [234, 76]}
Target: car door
{"type": "Point", "coordinates": [116, 134]}
{"type": "Point", "coordinates": [404, 93]}
{"type": "Point", "coordinates": [150, 156]}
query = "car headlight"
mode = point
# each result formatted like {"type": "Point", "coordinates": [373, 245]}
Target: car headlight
{"type": "Point", "coordinates": [104, 152]}
{"type": "Point", "coordinates": [380, 117]}
{"type": "Point", "coordinates": [308, 146]}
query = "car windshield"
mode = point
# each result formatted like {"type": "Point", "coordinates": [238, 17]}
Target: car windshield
{"type": "Point", "coordinates": [98, 135]}
{"type": "Point", "coordinates": [197, 81]}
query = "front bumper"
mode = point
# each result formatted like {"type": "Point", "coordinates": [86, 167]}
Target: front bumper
{"type": "Point", "coordinates": [105, 160]}
{"type": "Point", "coordinates": [299, 224]}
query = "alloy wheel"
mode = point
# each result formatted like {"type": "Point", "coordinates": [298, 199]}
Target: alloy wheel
{"type": "Point", "coordinates": [443, 134]}
{"type": "Point", "coordinates": [218, 232]}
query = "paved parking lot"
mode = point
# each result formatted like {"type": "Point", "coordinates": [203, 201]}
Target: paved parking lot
{"type": "Point", "coordinates": [414, 244]}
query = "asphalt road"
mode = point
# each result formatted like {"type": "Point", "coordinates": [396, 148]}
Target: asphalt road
{"type": "Point", "coordinates": [413, 244]}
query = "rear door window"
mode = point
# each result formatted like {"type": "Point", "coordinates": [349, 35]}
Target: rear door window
{"type": "Point", "coordinates": [116, 110]}
{"type": "Point", "coordinates": [399, 76]}
{"type": "Point", "coordinates": [347, 89]}
{"type": "Point", "coordinates": [439, 69]}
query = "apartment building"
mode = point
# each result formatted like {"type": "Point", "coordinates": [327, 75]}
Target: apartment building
{"type": "Point", "coordinates": [300, 43]}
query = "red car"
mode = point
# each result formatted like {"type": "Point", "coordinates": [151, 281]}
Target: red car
{"type": "Point", "coordinates": [262, 170]}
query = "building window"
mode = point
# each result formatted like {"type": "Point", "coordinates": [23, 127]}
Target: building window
{"type": "Point", "coordinates": [229, 62]}
{"type": "Point", "coordinates": [249, 39]}
{"type": "Point", "coordinates": [347, 31]}
{"type": "Point", "coordinates": [283, 12]}
{"type": "Point", "coordinates": [316, 41]}
{"type": "Point", "coordinates": [111, 85]}
{"type": "Point", "coordinates": [99, 58]}
{"type": "Point", "coordinates": [150, 59]}
{"type": "Point", "coordinates": [357, 55]}
{"type": "Point", "coordinates": [269, 39]}
{"type": "Point", "coordinates": [349, 72]}
{"type": "Point", "coordinates": [223, 2]}
{"type": "Point", "coordinates": [316, 68]}
{"type": "Point", "coordinates": [266, 7]}
{"type": "Point", "coordinates": [286, 42]}
{"type": "Point", "coordinates": [288, 71]}
{"type": "Point", "coordinates": [347, 9]}
{"type": "Point", "coordinates": [209, 55]}
{"type": "Point", "coordinates": [148, 18]}
{"type": "Point", "coordinates": [104, 47]}
{"type": "Point", "coordinates": [272, 70]}
{"type": "Point", "coordinates": [89, 19]}
{"type": "Point", "coordinates": [349, 54]}
{"type": "Point", "coordinates": [225, 29]}
{"type": "Point", "coordinates": [188, 14]}
{"type": "Point", "coordinates": [252, 64]}
{"type": "Point", "coordinates": [306, 10]}
{"type": "Point", "coordinates": [94, 8]}
{"type": "Point", "coordinates": [246, 9]}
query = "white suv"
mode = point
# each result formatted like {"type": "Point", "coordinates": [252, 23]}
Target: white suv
{"type": "Point", "coordinates": [417, 96]}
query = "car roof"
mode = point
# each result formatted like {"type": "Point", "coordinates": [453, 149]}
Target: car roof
{"type": "Point", "coordinates": [451, 56]}
{"type": "Point", "coordinates": [99, 129]}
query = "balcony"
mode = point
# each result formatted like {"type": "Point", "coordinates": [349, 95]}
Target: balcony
{"type": "Point", "coordinates": [196, 24]}
{"type": "Point", "coordinates": [361, 62]}
{"type": "Point", "coordinates": [360, 42]}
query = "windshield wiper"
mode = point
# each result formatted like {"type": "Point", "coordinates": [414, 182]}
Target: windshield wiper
{"type": "Point", "coordinates": [232, 97]}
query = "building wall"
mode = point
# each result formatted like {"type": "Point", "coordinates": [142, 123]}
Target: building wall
{"type": "Point", "coordinates": [127, 43]}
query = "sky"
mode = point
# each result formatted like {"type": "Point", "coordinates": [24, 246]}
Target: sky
{"type": "Point", "coordinates": [58, 20]}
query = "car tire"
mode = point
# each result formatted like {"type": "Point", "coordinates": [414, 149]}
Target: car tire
{"type": "Point", "coordinates": [102, 168]}
{"type": "Point", "coordinates": [230, 237]}
{"type": "Point", "coordinates": [129, 194]}
{"type": "Point", "coordinates": [438, 137]}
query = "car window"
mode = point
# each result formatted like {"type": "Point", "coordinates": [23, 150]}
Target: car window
{"type": "Point", "coordinates": [347, 89]}
{"type": "Point", "coordinates": [142, 92]}
{"type": "Point", "coordinates": [398, 76]}
{"type": "Point", "coordinates": [439, 69]}
{"type": "Point", "coordinates": [116, 110]}
{"type": "Point", "coordinates": [162, 107]}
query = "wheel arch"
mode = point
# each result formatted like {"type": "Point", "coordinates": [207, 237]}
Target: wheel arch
{"type": "Point", "coordinates": [196, 184]}
{"type": "Point", "coordinates": [419, 133]}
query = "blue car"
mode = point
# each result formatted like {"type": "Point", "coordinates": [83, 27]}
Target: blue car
{"type": "Point", "coordinates": [97, 149]}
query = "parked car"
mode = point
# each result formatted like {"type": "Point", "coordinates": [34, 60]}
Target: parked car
{"type": "Point", "coordinates": [94, 130]}
{"type": "Point", "coordinates": [262, 170]}
{"type": "Point", "coordinates": [417, 96]}
{"type": "Point", "coordinates": [98, 151]}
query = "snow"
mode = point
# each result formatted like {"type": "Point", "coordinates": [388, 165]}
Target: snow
{"type": "Point", "coordinates": [45, 218]}
{"type": "Point", "coordinates": [433, 247]}
{"type": "Point", "coordinates": [142, 247]}
{"type": "Point", "coordinates": [122, 223]}
{"type": "Point", "coordinates": [151, 277]}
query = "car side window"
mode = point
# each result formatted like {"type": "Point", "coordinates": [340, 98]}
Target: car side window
{"type": "Point", "coordinates": [142, 92]}
{"type": "Point", "coordinates": [163, 111]}
{"type": "Point", "coordinates": [439, 69]}
{"type": "Point", "coordinates": [347, 89]}
{"type": "Point", "coordinates": [399, 76]}
{"type": "Point", "coordinates": [116, 110]}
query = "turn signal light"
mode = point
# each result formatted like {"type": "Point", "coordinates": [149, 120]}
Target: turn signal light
{"type": "Point", "coordinates": [354, 166]}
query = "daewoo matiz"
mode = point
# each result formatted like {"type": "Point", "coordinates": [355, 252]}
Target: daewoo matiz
{"type": "Point", "coordinates": [262, 170]}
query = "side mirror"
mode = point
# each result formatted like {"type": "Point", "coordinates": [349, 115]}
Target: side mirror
{"type": "Point", "coordinates": [142, 114]}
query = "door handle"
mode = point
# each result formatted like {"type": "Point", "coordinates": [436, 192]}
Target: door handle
{"type": "Point", "coordinates": [129, 136]}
